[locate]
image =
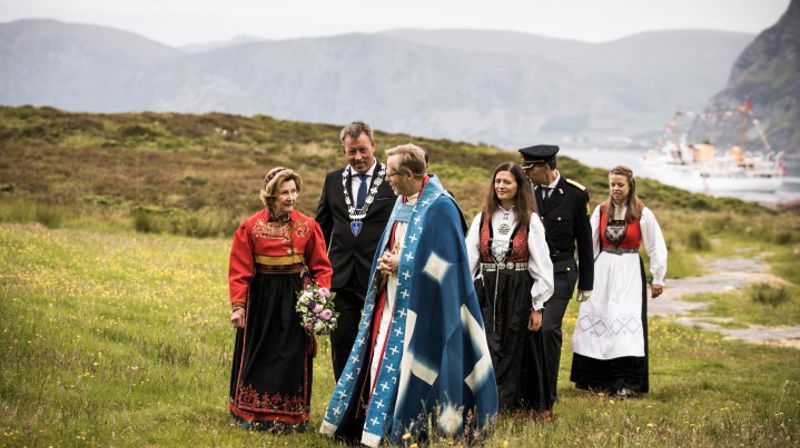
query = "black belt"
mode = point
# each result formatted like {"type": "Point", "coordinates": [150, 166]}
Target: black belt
{"type": "Point", "coordinates": [561, 257]}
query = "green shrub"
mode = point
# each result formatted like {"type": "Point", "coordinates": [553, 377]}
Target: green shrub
{"type": "Point", "coordinates": [194, 180]}
{"type": "Point", "coordinates": [144, 221]}
{"type": "Point", "coordinates": [203, 223]}
{"type": "Point", "coordinates": [784, 238]}
{"type": "Point", "coordinates": [50, 217]}
{"type": "Point", "coordinates": [698, 241]}
{"type": "Point", "coordinates": [766, 294]}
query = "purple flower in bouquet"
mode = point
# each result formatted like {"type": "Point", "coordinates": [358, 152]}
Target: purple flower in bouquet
{"type": "Point", "coordinates": [317, 310]}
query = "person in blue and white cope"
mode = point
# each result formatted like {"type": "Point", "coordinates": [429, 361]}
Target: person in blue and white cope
{"type": "Point", "coordinates": [420, 356]}
{"type": "Point", "coordinates": [610, 339]}
{"type": "Point", "coordinates": [510, 260]}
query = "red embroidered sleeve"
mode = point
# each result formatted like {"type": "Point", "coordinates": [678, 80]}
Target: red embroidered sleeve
{"type": "Point", "coordinates": [241, 266]}
{"type": "Point", "coordinates": [317, 258]}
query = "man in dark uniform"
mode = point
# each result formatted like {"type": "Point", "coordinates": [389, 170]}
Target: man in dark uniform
{"type": "Point", "coordinates": [353, 209]}
{"type": "Point", "coordinates": [564, 210]}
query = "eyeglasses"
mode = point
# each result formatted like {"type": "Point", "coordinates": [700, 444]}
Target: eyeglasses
{"type": "Point", "coordinates": [390, 175]}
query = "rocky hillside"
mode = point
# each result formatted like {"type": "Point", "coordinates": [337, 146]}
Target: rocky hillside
{"type": "Point", "coordinates": [768, 73]}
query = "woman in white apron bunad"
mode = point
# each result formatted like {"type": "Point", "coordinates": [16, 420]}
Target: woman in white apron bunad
{"type": "Point", "coordinates": [610, 338]}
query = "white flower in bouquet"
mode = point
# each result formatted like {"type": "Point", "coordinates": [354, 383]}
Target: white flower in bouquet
{"type": "Point", "coordinates": [316, 308]}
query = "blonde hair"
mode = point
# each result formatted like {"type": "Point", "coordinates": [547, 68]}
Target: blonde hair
{"type": "Point", "coordinates": [274, 178]}
{"type": "Point", "coordinates": [412, 159]}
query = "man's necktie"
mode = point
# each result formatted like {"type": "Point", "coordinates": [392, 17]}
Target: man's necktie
{"type": "Point", "coordinates": [361, 195]}
{"type": "Point", "coordinates": [546, 192]}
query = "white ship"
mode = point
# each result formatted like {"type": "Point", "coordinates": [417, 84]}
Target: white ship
{"type": "Point", "coordinates": [705, 168]}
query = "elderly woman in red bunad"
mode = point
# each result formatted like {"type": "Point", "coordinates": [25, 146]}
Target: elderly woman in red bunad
{"type": "Point", "coordinates": [273, 253]}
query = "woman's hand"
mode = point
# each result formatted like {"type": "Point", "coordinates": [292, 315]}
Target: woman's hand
{"type": "Point", "coordinates": [656, 290]}
{"type": "Point", "coordinates": [535, 320]}
{"type": "Point", "coordinates": [238, 318]}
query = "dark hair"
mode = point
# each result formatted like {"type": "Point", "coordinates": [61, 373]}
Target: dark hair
{"type": "Point", "coordinates": [354, 130]}
{"type": "Point", "coordinates": [633, 205]}
{"type": "Point", "coordinates": [524, 204]}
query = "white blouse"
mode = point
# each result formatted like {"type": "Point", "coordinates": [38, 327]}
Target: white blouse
{"type": "Point", "coordinates": [652, 238]}
{"type": "Point", "coordinates": [539, 265]}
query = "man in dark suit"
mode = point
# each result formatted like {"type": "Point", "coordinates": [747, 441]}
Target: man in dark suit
{"type": "Point", "coordinates": [353, 210]}
{"type": "Point", "coordinates": [564, 208]}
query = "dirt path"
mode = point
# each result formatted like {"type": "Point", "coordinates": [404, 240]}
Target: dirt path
{"type": "Point", "coordinates": [727, 274]}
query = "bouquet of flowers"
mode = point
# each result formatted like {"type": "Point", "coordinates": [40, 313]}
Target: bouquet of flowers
{"type": "Point", "coordinates": [316, 309]}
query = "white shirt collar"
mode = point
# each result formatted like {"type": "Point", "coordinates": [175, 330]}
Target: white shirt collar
{"type": "Point", "coordinates": [553, 184]}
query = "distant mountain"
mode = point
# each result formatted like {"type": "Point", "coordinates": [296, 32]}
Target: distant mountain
{"type": "Point", "coordinates": [78, 67]}
{"type": "Point", "coordinates": [208, 46]}
{"type": "Point", "coordinates": [768, 74]}
{"type": "Point", "coordinates": [505, 88]}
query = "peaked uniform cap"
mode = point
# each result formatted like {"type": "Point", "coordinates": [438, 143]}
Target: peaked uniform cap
{"type": "Point", "coordinates": [537, 153]}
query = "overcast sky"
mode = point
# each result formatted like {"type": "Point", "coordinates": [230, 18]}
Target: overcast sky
{"type": "Point", "coordinates": [180, 22]}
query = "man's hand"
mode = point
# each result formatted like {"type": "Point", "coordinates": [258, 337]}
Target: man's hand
{"type": "Point", "coordinates": [583, 296]}
{"type": "Point", "coordinates": [388, 263]}
{"type": "Point", "coordinates": [656, 290]}
{"type": "Point", "coordinates": [535, 320]}
{"type": "Point", "coordinates": [238, 318]}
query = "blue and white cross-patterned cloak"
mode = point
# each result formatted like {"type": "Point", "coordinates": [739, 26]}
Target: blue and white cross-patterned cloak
{"type": "Point", "coordinates": [436, 363]}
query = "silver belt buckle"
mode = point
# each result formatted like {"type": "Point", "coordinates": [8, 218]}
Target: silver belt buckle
{"type": "Point", "coordinates": [509, 265]}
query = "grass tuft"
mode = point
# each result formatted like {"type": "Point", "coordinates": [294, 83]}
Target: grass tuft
{"type": "Point", "coordinates": [766, 294]}
{"type": "Point", "coordinates": [698, 241]}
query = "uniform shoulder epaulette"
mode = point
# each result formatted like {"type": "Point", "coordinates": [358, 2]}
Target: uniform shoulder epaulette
{"type": "Point", "coordinates": [575, 184]}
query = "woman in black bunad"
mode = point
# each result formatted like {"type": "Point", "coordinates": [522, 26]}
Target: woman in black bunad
{"type": "Point", "coordinates": [610, 338]}
{"type": "Point", "coordinates": [513, 274]}
{"type": "Point", "coordinates": [272, 252]}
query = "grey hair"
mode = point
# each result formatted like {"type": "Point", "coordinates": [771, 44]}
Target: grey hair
{"type": "Point", "coordinates": [412, 159]}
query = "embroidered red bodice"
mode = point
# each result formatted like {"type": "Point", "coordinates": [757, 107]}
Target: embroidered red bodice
{"type": "Point", "coordinates": [519, 245]}
{"type": "Point", "coordinates": [633, 234]}
{"type": "Point", "coordinates": [259, 240]}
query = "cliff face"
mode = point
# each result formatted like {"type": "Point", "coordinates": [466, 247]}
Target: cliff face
{"type": "Point", "coordinates": [768, 74]}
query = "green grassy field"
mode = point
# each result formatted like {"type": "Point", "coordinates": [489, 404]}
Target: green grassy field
{"type": "Point", "coordinates": [122, 340]}
{"type": "Point", "coordinates": [114, 239]}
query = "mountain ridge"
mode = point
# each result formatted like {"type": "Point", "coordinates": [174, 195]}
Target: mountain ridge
{"type": "Point", "coordinates": [474, 94]}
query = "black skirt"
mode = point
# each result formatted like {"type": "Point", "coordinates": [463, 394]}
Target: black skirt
{"type": "Point", "coordinates": [517, 353]}
{"type": "Point", "coordinates": [273, 358]}
{"type": "Point", "coordinates": [611, 375]}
